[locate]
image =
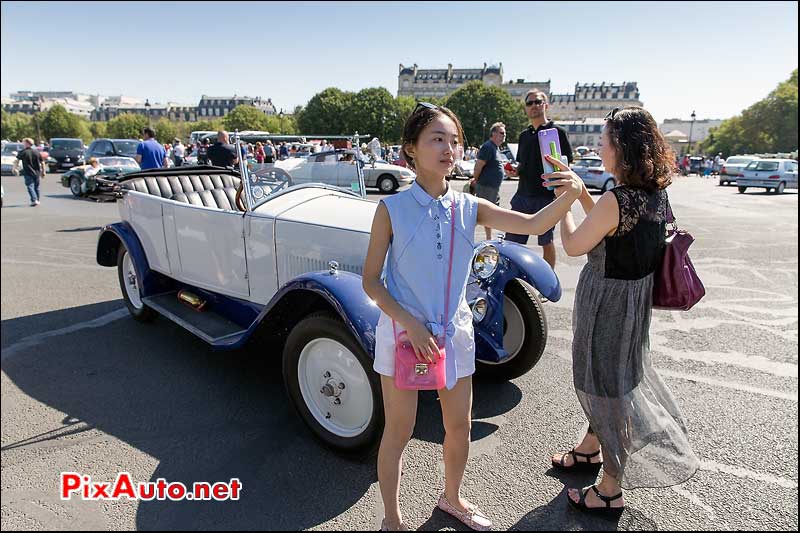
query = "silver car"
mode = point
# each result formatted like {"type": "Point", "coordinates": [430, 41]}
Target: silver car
{"type": "Point", "coordinates": [594, 174]}
{"type": "Point", "coordinates": [774, 175]}
{"type": "Point", "coordinates": [733, 167]}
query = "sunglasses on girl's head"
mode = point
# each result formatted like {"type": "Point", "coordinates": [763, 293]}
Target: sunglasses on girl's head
{"type": "Point", "coordinates": [612, 114]}
{"type": "Point", "coordinates": [424, 105]}
{"type": "Point", "coordinates": [537, 101]}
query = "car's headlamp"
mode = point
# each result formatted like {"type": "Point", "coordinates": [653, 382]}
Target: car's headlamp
{"type": "Point", "coordinates": [484, 263]}
{"type": "Point", "coordinates": [479, 308]}
{"type": "Point", "coordinates": [51, 160]}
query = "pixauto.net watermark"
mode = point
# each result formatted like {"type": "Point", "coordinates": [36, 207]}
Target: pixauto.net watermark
{"type": "Point", "coordinates": [81, 485]}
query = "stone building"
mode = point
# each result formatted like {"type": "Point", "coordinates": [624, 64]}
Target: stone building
{"type": "Point", "coordinates": [593, 101]}
{"type": "Point", "coordinates": [424, 84]}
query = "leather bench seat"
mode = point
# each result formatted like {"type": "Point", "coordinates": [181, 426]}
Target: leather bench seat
{"type": "Point", "coordinates": [170, 186]}
{"type": "Point", "coordinates": [224, 198]}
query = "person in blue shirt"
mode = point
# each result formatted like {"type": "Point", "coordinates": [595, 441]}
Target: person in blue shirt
{"type": "Point", "coordinates": [407, 273]}
{"type": "Point", "coordinates": [150, 153]}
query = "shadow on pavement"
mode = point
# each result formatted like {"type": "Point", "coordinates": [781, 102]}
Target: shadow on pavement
{"type": "Point", "coordinates": [203, 415]}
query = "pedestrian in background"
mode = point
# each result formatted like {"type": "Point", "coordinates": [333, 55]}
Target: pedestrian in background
{"type": "Point", "coordinates": [149, 153]}
{"type": "Point", "coordinates": [33, 169]}
{"type": "Point", "coordinates": [178, 152]}
{"type": "Point", "coordinates": [222, 153]}
{"type": "Point", "coordinates": [532, 195]}
{"type": "Point", "coordinates": [202, 152]}
{"type": "Point", "coordinates": [488, 173]}
{"type": "Point", "coordinates": [634, 420]}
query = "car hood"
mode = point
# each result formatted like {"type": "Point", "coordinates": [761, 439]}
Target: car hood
{"type": "Point", "coordinates": [336, 210]}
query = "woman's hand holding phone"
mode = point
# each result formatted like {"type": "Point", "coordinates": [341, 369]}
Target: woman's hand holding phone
{"type": "Point", "coordinates": [564, 180]}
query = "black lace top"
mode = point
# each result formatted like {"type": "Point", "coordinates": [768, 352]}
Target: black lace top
{"type": "Point", "coordinates": [636, 248]}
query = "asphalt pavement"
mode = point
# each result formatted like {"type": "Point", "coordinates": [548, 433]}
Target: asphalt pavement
{"type": "Point", "coordinates": [87, 389]}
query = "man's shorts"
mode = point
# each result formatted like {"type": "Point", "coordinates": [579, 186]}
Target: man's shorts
{"type": "Point", "coordinates": [530, 205]}
{"type": "Point", "coordinates": [488, 193]}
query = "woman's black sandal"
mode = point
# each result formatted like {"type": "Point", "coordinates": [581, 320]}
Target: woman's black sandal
{"type": "Point", "coordinates": [611, 513]}
{"type": "Point", "coordinates": [578, 466]}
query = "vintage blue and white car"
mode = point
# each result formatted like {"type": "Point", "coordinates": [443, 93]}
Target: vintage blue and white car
{"type": "Point", "coordinates": [232, 260]}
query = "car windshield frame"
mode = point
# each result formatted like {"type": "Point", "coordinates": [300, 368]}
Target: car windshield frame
{"type": "Point", "coordinates": [118, 161]}
{"type": "Point", "coordinates": [766, 166]}
{"type": "Point", "coordinates": [10, 148]}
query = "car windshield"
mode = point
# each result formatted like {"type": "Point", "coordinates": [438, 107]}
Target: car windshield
{"type": "Point", "coordinates": [10, 148]}
{"type": "Point", "coordinates": [329, 169]}
{"type": "Point", "coordinates": [67, 144]}
{"type": "Point", "coordinates": [126, 147]}
{"type": "Point", "coordinates": [124, 162]}
{"type": "Point", "coordinates": [738, 160]}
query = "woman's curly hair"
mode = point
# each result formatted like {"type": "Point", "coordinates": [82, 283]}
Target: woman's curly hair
{"type": "Point", "coordinates": [644, 159]}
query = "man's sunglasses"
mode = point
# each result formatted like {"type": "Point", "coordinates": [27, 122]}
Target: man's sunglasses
{"type": "Point", "coordinates": [612, 114]}
{"type": "Point", "coordinates": [537, 101]}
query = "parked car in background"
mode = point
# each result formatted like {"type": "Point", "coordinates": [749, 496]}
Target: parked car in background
{"type": "Point", "coordinates": [774, 175]}
{"type": "Point", "coordinates": [696, 165]}
{"type": "Point", "coordinates": [65, 153]}
{"type": "Point", "coordinates": [111, 169]}
{"type": "Point", "coordinates": [112, 148]}
{"type": "Point", "coordinates": [593, 173]}
{"type": "Point", "coordinates": [338, 168]}
{"type": "Point", "coordinates": [733, 168]}
{"type": "Point", "coordinates": [9, 154]}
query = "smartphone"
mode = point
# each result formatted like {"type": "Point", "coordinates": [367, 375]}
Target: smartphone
{"type": "Point", "coordinates": [550, 145]}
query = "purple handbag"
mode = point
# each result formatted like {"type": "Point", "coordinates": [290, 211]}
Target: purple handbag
{"type": "Point", "coordinates": [676, 286]}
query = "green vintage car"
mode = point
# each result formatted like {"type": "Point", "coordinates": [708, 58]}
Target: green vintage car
{"type": "Point", "coordinates": [111, 170]}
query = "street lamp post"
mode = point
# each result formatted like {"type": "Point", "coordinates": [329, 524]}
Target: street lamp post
{"type": "Point", "coordinates": [36, 108]}
{"type": "Point", "coordinates": [691, 127]}
{"type": "Point", "coordinates": [147, 110]}
{"type": "Point", "coordinates": [280, 116]}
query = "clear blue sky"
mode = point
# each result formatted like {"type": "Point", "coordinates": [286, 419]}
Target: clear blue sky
{"type": "Point", "coordinates": [713, 57]}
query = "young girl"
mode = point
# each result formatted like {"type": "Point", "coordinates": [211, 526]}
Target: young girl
{"type": "Point", "coordinates": [413, 227]}
{"type": "Point", "coordinates": [633, 417]}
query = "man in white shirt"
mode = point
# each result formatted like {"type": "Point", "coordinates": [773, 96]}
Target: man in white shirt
{"type": "Point", "coordinates": [178, 152]}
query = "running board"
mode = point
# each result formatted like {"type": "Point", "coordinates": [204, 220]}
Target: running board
{"type": "Point", "coordinates": [210, 326]}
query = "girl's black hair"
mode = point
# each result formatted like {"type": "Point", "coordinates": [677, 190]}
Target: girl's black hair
{"type": "Point", "coordinates": [418, 120]}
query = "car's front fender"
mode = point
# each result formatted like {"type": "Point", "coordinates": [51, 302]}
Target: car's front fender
{"type": "Point", "coordinates": [515, 261]}
{"type": "Point", "coordinates": [341, 291]}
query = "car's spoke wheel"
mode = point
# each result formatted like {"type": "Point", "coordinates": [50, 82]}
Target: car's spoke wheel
{"type": "Point", "coordinates": [329, 378]}
{"type": "Point", "coordinates": [524, 332]}
{"type": "Point", "coordinates": [129, 281]}
{"type": "Point", "coordinates": [387, 184]}
{"type": "Point", "coordinates": [75, 186]}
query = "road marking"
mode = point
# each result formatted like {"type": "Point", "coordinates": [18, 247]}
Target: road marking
{"type": "Point", "coordinates": [39, 338]}
{"type": "Point", "coordinates": [697, 501]}
{"type": "Point", "coordinates": [51, 264]}
{"type": "Point", "coordinates": [713, 466]}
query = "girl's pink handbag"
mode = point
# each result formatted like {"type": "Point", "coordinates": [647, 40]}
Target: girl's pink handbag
{"type": "Point", "coordinates": [409, 372]}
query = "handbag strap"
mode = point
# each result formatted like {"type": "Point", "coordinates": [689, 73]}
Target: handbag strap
{"type": "Point", "coordinates": [449, 268]}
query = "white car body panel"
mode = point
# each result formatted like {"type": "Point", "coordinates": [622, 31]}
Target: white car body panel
{"type": "Point", "coordinates": [145, 216]}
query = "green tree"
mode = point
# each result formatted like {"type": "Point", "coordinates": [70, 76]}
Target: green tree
{"type": "Point", "coordinates": [166, 130]}
{"type": "Point", "coordinates": [403, 107]}
{"type": "Point", "coordinates": [286, 125]}
{"type": "Point", "coordinates": [245, 117]}
{"type": "Point", "coordinates": [372, 111]}
{"type": "Point", "coordinates": [478, 106]}
{"type": "Point", "coordinates": [58, 122]}
{"type": "Point", "coordinates": [98, 129]}
{"type": "Point", "coordinates": [17, 126]}
{"type": "Point", "coordinates": [767, 126]}
{"type": "Point", "coordinates": [206, 125]}
{"type": "Point", "coordinates": [326, 112]}
{"type": "Point", "coordinates": [126, 126]}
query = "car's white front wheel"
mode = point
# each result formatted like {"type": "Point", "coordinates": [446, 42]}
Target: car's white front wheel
{"type": "Point", "coordinates": [330, 381]}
